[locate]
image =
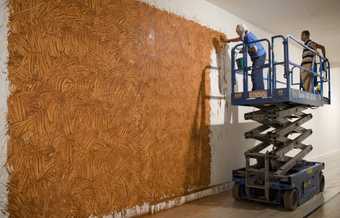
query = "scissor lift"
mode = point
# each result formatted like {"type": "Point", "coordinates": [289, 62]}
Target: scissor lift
{"type": "Point", "coordinates": [271, 175]}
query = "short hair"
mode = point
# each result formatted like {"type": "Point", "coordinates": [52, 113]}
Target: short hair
{"type": "Point", "coordinates": [242, 28]}
{"type": "Point", "coordinates": [306, 32]}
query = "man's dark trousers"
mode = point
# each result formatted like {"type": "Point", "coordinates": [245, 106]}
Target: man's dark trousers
{"type": "Point", "coordinates": [257, 72]}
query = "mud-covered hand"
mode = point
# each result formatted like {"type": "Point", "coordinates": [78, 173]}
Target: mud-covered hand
{"type": "Point", "coordinates": [223, 38]}
{"type": "Point", "coordinates": [325, 60]}
{"type": "Point", "coordinates": [252, 51]}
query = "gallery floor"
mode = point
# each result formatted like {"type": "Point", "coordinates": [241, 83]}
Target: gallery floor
{"type": "Point", "coordinates": [224, 206]}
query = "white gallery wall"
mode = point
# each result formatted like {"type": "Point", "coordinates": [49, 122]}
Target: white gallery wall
{"type": "Point", "coordinates": [326, 123]}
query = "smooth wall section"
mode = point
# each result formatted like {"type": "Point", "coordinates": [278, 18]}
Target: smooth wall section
{"type": "Point", "coordinates": [108, 109]}
{"type": "Point", "coordinates": [326, 123]}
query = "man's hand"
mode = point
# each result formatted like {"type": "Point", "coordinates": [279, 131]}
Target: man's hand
{"type": "Point", "coordinates": [218, 45]}
{"type": "Point", "coordinates": [223, 39]}
{"type": "Point", "coordinates": [317, 46]}
{"type": "Point", "coordinates": [325, 60]}
{"type": "Point", "coordinates": [252, 50]}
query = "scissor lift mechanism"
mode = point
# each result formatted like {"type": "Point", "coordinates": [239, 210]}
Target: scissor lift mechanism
{"type": "Point", "coordinates": [272, 175]}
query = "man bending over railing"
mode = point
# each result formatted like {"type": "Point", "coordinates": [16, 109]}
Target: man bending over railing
{"type": "Point", "coordinates": [256, 52]}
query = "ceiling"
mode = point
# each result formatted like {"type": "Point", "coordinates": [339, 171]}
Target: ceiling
{"type": "Point", "coordinates": [321, 17]}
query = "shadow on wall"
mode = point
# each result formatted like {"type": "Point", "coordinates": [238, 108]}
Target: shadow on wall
{"type": "Point", "coordinates": [226, 144]}
{"type": "Point", "coordinates": [199, 133]}
{"type": "Point", "coordinates": [227, 135]}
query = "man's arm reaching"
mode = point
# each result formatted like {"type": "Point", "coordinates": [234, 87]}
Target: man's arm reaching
{"type": "Point", "coordinates": [322, 48]}
{"type": "Point", "coordinates": [237, 39]}
{"type": "Point", "coordinates": [317, 46]}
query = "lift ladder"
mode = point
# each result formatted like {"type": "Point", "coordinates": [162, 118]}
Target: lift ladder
{"type": "Point", "coordinates": [278, 123]}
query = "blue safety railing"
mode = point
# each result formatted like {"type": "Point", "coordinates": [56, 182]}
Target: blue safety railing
{"type": "Point", "coordinates": [245, 71]}
{"type": "Point", "coordinates": [320, 71]}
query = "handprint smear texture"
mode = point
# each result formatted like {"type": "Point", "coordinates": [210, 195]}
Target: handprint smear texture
{"type": "Point", "coordinates": [108, 109]}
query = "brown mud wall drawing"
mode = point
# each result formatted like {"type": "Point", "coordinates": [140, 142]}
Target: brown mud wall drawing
{"type": "Point", "coordinates": [107, 107]}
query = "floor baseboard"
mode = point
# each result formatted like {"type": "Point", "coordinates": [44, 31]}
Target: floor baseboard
{"type": "Point", "coordinates": [147, 208]}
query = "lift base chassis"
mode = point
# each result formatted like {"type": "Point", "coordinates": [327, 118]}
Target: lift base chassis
{"type": "Point", "coordinates": [305, 179]}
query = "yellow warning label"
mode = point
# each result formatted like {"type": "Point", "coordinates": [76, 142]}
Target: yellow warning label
{"type": "Point", "coordinates": [310, 171]}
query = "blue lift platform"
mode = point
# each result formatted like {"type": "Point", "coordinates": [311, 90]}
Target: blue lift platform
{"type": "Point", "coordinates": [271, 174]}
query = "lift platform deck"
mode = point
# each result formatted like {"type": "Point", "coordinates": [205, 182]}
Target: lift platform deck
{"type": "Point", "coordinates": [271, 174]}
{"type": "Point", "coordinates": [279, 96]}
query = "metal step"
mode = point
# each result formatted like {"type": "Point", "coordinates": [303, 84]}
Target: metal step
{"type": "Point", "coordinates": [260, 199]}
{"type": "Point", "coordinates": [257, 186]}
{"type": "Point", "coordinates": [255, 155]}
{"type": "Point", "coordinates": [254, 170]}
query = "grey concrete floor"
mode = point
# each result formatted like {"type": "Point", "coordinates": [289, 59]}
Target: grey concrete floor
{"type": "Point", "coordinates": [224, 206]}
{"type": "Point", "coordinates": [329, 210]}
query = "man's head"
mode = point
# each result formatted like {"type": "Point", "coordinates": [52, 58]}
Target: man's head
{"type": "Point", "coordinates": [305, 35]}
{"type": "Point", "coordinates": [241, 30]}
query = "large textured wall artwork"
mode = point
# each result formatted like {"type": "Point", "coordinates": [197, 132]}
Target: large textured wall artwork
{"type": "Point", "coordinates": [108, 108]}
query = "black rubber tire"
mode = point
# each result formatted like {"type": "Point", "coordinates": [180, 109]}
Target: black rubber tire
{"type": "Point", "coordinates": [290, 199]}
{"type": "Point", "coordinates": [322, 183]}
{"type": "Point", "coordinates": [236, 191]}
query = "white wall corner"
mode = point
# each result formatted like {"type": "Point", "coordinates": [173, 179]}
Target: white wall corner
{"type": "Point", "coordinates": [4, 92]}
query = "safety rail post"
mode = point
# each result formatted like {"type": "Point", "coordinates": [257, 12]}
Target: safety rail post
{"type": "Point", "coordinates": [329, 81]}
{"type": "Point", "coordinates": [292, 78]}
{"type": "Point", "coordinates": [273, 86]}
{"type": "Point", "coordinates": [286, 64]}
{"type": "Point", "coordinates": [245, 71]}
{"type": "Point", "coordinates": [233, 72]}
{"type": "Point", "coordinates": [321, 69]}
{"type": "Point", "coordinates": [274, 60]}
{"type": "Point", "coordinates": [269, 77]}
{"type": "Point", "coordinates": [315, 74]}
